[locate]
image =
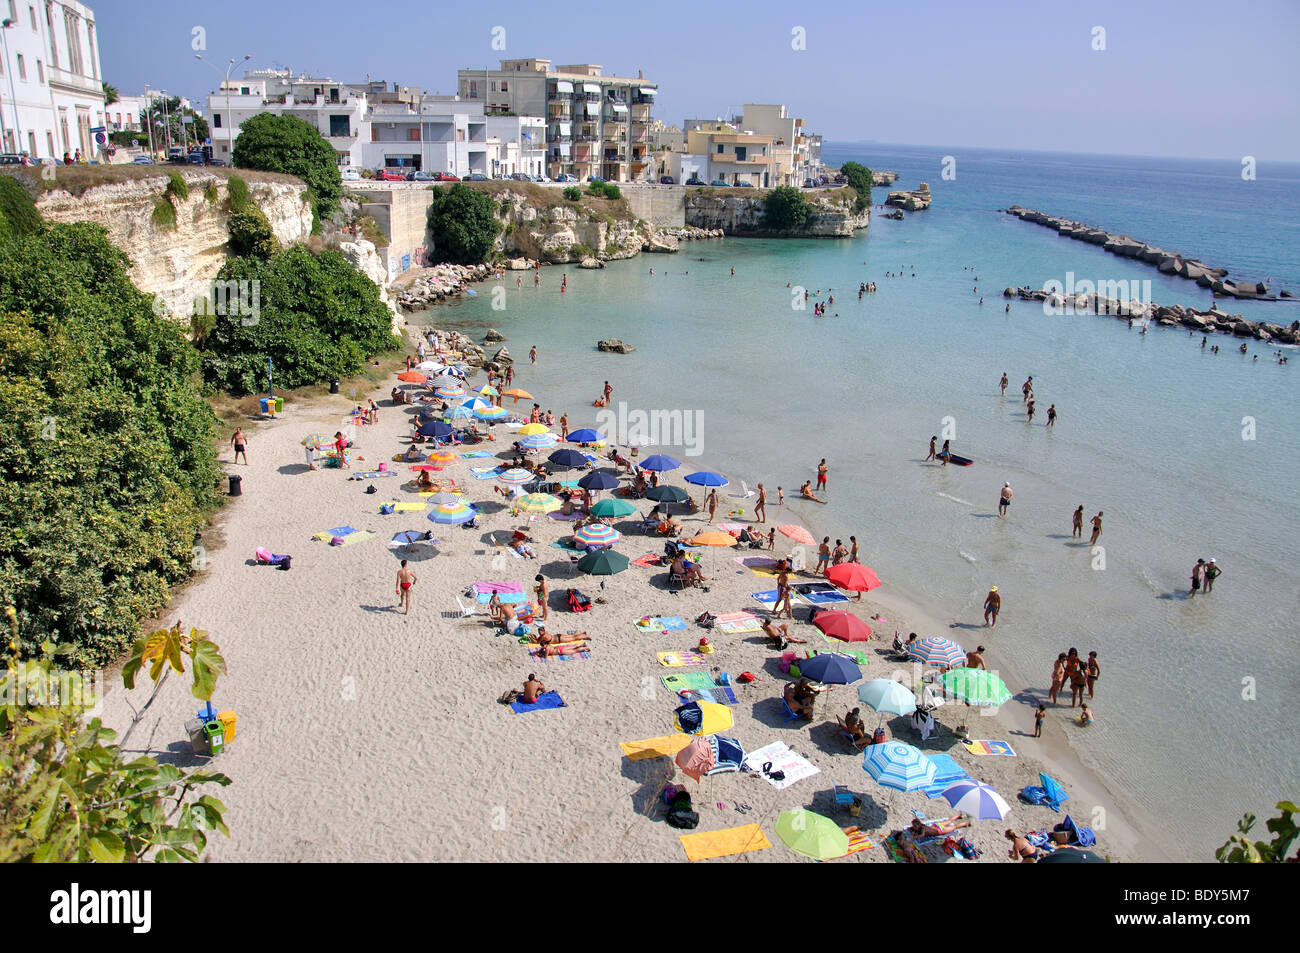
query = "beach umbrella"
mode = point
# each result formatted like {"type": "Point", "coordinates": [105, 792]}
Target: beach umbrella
{"type": "Point", "coordinates": [697, 758]}
{"type": "Point", "coordinates": [538, 503]}
{"type": "Point", "coordinates": [431, 366]}
{"type": "Point", "coordinates": [462, 414]}
{"type": "Point", "coordinates": [842, 624]}
{"type": "Point", "coordinates": [491, 413]}
{"type": "Point", "coordinates": [407, 538]}
{"type": "Point", "coordinates": [445, 380]}
{"type": "Point", "coordinates": [539, 441]}
{"type": "Point", "coordinates": [830, 669]}
{"type": "Point", "coordinates": [1071, 855]}
{"type": "Point", "coordinates": [317, 440]}
{"type": "Point", "coordinates": [853, 576]}
{"type": "Point", "coordinates": [412, 377]}
{"type": "Point", "coordinates": [660, 462]}
{"type": "Point", "coordinates": [527, 430]}
{"type": "Point", "coordinates": [438, 499]}
{"type": "Point", "coordinates": [977, 799]}
{"type": "Point", "coordinates": [712, 538]}
{"type": "Point", "coordinates": [568, 458]}
{"type": "Point", "coordinates": [450, 390]}
{"type": "Point", "coordinates": [705, 478]}
{"type": "Point", "coordinates": [667, 494]}
{"type": "Point", "coordinates": [596, 534]}
{"type": "Point", "coordinates": [585, 435]}
{"type": "Point", "coordinates": [487, 390]}
{"type": "Point", "coordinates": [516, 476]}
{"type": "Point", "coordinates": [434, 428]}
{"type": "Point", "coordinates": [887, 696]}
{"type": "Point", "coordinates": [702, 718]}
{"type": "Point", "coordinates": [603, 562]}
{"type": "Point", "coordinates": [797, 533]}
{"type": "Point", "coordinates": [612, 508]}
{"type": "Point", "coordinates": [975, 686]}
{"type": "Point", "coordinates": [452, 513]}
{"type": "Point", "coordinates": [442, 456]}
{"type": "Point", "coordinates": [936, 650]}
{"type": "Point", "coordinates": [602, 480]}
{"type": "Point", "coordinates": [897, 765]}
{"type": "Point", "coordinates": [425, 466]}
{"type": "Point", "coordinates": [517, 394]}
{"type": "Point", "coordinates": [475, 402]}
{"type": "Point", "coordinates": [811, 835]}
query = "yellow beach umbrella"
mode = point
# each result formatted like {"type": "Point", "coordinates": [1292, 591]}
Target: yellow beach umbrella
{"type": "Point", "coordinates": [487, 390]}
{"type": "Point", "coordinates": [538, 503]}
{"type": "Point", "coordinates": [527, 430]}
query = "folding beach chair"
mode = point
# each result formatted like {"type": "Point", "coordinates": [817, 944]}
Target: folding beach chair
{"type": "Point", "coordinates": [790, 713]}
{"type": "Point", "coordinates": [842, 795]}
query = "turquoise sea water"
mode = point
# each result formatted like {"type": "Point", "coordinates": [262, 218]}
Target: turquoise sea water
{"type": "Point", "coordinates": [1196, 704]}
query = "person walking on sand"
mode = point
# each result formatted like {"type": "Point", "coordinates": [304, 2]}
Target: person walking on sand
{"type": "Point", "coordinates": [992, 606]}
{"type": "Point", "coordinates": [564, 425]}
{"type": "Point", "coordinates": [1078, 522]}
{"type": "Point", "coordinates": [1197, 570]}
{"type": "Point", "coordinates": [405, 580]}
{"type": "Point", "coordinates": [1096, 528]}
{"type": "Point", "coordinates": [945, 452]}
{"type": "Point", "coordinates": [712, 503]}
{"type": "Point", "coordinates": [1005, 500]}
{"type": "Point", "coordinates": [783, 596]}
{"type": "Point", "coordinates": [821, 474]}
{"type": "Point", "coordinates": [760, 505]}
{"type": "Point", "coordinates": [542, 594]}
{"type": "Point", "coordinates": [1092, 672]}
{"type": "Point", "coordinates": [240, 443]}
{"type": "Point", "coordinates": [1211, 573]}
{"type": "Point", "coordinates": [933, 441]}
{"type": "Point", "coordinates": [532, 354]}
{"type": "Point", "coordinates": [1039, 715]}
{"type": "Point", "coordinates": [1003, 384]}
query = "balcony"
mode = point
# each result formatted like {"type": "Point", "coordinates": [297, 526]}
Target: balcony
{"type": "Point", "coordinates": [640, 112]}
{"type": "Point", "coordinates": [75, 82]}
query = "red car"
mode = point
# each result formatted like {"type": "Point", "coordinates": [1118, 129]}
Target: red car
{"type": "Point", "coordinates": [446, 177]}
{"type": "Point", "coordinates": [390, 175]}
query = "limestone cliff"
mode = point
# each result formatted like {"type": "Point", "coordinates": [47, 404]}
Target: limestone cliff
{"type": "Point", "coordinates": [177, 264]}
{"type": "Point", "coordinates": [568, 232]}
{"type": "Point", "coordinates": [743, 212]}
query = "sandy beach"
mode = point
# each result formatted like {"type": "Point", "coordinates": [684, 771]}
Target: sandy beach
{"type": "Point", "coordinates": [368, 735]}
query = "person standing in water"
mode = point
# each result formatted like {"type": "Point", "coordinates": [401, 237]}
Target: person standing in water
{"type": "Point", "coordinates": [992, 606]}
{"type": "Point", "coordinates": [532, 354]}
{"type": "Point", "coordinates": [821, 474]}
{"type": "Point", "coordinates": [1096, 528]}
{"type": "Point", "coordinates": [1027, 388]}
{"type": "Point", "coordinates": [945, 452]}
{"type": "Point", "coordinates": [1078, 522]}
{"type": "Point", "coordinates": [1212, 572]}
{"type": "Point", "coordinates": [1005, 380]}
{"type": "Point", "coordinates": [1005, 500]}
{"type": "Point", "coordinates": [1051, 415]}
{"type": "Point", "coordinates": [1197, 570]}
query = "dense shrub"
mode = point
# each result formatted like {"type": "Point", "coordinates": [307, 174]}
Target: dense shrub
{"type": "Point", "coordinates": [164, 213]}
{"type": "Point", "coordinates": [237, 193]}
{"type": "Point", "coordinates": [859, 177]}
{"type": "Point", "coordinates": [251, 234]}
{"type": "Point", "coordinates": [18, 215]}
{"type": "Point", "coordinates": [462, 225]}
{"type": "Point", "coordinates": [286, 144]}
{"type": "Point", "coordinates": [318, 318]}
{"type": "Point", "coordinates": [606, 190]}
{"type": "Point", "coordinates": [573, 193]}
{"type": "Point", "coordinates": [107, 467]}
{"type": "Point", "coordinates": [177, 188]}
{"type": "Point", "coordinates": [786, 208]}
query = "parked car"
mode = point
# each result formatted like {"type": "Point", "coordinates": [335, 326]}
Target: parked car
{"type": "Point", "coordinates": [351, 175]}
{"type": "Point", "coordinates": [694, 181]}
{"type": "Point", "coordinates": [718, 183]}
{"type": "Point", "coordinates": [594, 178]}
{"type": "Point", "coordinates": [196, 158]}
{"type": "Point", "coordinates": [519, 177]}
{"type": "Point", "coordinates": [744, 185]}
{"type": "Point", "coordinates": [541, 178]}
{"type": "Point", "coordinates": [475, 177]}
{"type": "Point", "coordinates": [216, 162]}
{"type": "Point", "coordinates": [445, 177]}
{"type": "Point", "coordinates": [390, 175]}
{"type": "Point", "coordinates": [667, 180]}
{"type": "Point", "coordinates": [422, 176]}
{"type": "Point", "coordinates": [809, 184]}
{"type": "Point", "coordinates": [142, 160]}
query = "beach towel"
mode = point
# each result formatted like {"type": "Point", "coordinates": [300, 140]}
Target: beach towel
{"type": "Point", "coordinates": [896, 853]}
{"type": "Point", "coordinates": [536, 653]}
{"type": "Point", "coordinates": [557, 515]}
{"type": "Point", "coordinates": [858, 658]}
{"type": "Point", "coordinates": [735, 623]}
{"type": "Point", "coordinates": [491, 587]}
{"type": "Point", "coordinates": [405, 507]}
{"type": "Point", "coordinates": [545, 701]}
{"type": "Point", "coordinates": [476, 454]}
{"type": "Point", "coordinates": [360, 536]}
{"type": "Point", "coordinates": [719, 694]}
{"type": "Point", "coordinates": [329, 534]}
{"type": "Point", "coordinates": [681, 659]}
{"type": "Point", "coordinates": [569, 549]}
{"type": "Point", "coordinates": [649, 559]}
{"type": "Point", "coordinates": [509, 598]}
{"type": "Point", "coordinates": [947, 772]}
{"type": "Point", "coordinates": [373, 474]}
{"type": "Point", "coordinates": [756, 562]}
{"type": "Point", "coordinates": [662, 747]}
{"type": "Point", "coordinates": [483, 473]}
{"type": "Point", "coordinates": [858, 841]}
{"type": "Point", "coordinates": [825, 598]}
{"type": "Point", "coordinates": [660, 624]}
{"type": "Point", "coordinates": [795, 766]}
{"type": "Point", "coordinates": [688, 681]}
{"type": "Point", "coordinates": [1002, 748]}
{"type": "Point", "coordinates": [732, 528]}
{"type": "Point", "coordinates": [767, 599]}
{"type": "Point", "coordinates": [734, 840]}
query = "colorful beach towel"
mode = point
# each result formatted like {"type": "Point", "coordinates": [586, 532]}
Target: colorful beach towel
{"type": "Point", "coordinates": [680, 659]}
{"type": "Point", "coordinates": [767, 599]}
{"type": "Point", "coordinates": [545, 701]}
{"type": "Point", "coordinates": [490, 587]}
{"type": "Point", "coordinates": [569, 549]}
{"type": "Point", "coordinates": [858, 658]}
{"type": "Point", "coordinates": [663, 747]}
{"type": "Point", "coordinates": [329, 534]}
{"type": "Point", "coordinates": [476, 454]}
{"type": "Point", "coordinates": [483, 473]}
{"type": "Point", "coordinates": [719, 694]}
{"type": "Point", "coordinates": [795, 766]}
{"type": "Point", "coordinates": [399, 507]}
{"type": "Point", "coordinates": [562, 657]}
{"type": "Point", "coordinates": [735, 623]}
{"type": "Point", "coordinates": [659, 624]}
{"type": "Point", "coordinates": [1002, 748]}
{"type": "Point", "coordinates": [825, 598]}
{"type": "Point", "coordinates": [734, 840]}
{"type": "Point", "coordinates": [896, 854]}
{"type": "Point", "coordinates": [648, 560]}
{"type": "Point", "coordinates": [373, 474]}
{"type": "Point", "coordinates": [688, 681]}
{"type": "Point", "coordinates": [509, 598]}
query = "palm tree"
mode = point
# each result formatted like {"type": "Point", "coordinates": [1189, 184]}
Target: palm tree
{"type": "Point", "coordinates": [111, 94]}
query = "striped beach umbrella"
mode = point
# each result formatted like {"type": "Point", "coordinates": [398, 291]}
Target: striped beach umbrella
{"type": "Point", "coordinates": [461, 415]}
{"type": "Point", "coordinates": [448, 391]}
{"type": "Point", "coordinates": [491, 413]}
{"type": "Point", "coordinates": [977, 799]}
{"type": "Point", "coordinates": [936, 650]}
{"type": "Point", "coordinates": [445, 380]}
{"type": "Point", "coordinates": [475, 402]}
{"type": "Point", "coordinates": [538, 503]}
{"type": "Point", "coordinates": [539, 441]}
{"type": "Point", "coordinates": [597, 534]}
{"type": "Point", "coordinates": [442, 456]}
{"type": "Point", "coordinates": [975, 686]}
{"type": "Point", "coordinates": [452, 513]}
{"type": "Point", "coordinates": [487, 390]}
{"type": "Point", "coordinates": [516, 476]}
{"type": "Point", "coordinates": [897, 765]}
{"type": "Point", "coordinates": [317, 440]}
{"type": "Point", "coordinates": [612, 508]}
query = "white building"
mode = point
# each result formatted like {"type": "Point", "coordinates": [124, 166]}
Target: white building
{"type": "Point", "coordinates": [441, 134]}
{"type": "Point", "coordinates": [51, 92]}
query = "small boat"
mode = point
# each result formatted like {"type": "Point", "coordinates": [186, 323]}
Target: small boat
{"type": "Point", "coordinates": [954, 459]}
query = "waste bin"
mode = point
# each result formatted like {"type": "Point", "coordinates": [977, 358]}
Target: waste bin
{"type": "Point", "coordinates": [334, 387]}
{"type": "Point", "coordinates": [216, 733]}
{"type": "Point", "coordinates": [279, 404]}
{"type": "Point", "coordinates": [264, 404]}
{"type": "Point", "coordinates": [235, 481]}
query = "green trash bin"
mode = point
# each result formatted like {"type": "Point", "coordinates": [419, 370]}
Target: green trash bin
{"type": "Point", "coordinates": [279, 404]}
{"type": "Point", "coordinates": [216, 733]}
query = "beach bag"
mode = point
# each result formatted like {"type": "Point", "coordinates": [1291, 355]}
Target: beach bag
{"type": "Point", "coordinates": [745, 678]}
{"type": "Point", "coordinates": [706, 619]}
{"type": "Point", "coordinates": [371, 489]}
{"type": "Point", "coordinates": [385, 508]}
{"type": "Point", "coordinates": [336, 541]}
{"type": "Point", "coordinates": [680, 815]}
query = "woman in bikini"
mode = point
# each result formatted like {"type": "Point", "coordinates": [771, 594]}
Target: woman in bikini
{"type": "Point", "coordinates": [1021, 849]}
{"type": "Point", "coordinates": [1058, 677]}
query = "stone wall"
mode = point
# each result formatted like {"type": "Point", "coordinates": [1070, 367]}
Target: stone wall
{"type": "Point", "coordinates": [663, 206]}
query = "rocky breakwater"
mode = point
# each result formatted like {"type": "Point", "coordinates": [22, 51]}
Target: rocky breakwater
{"type": "Point", "coordinates": [883, 179]}
{"type": "Point", "coordinates": [614, 346]}
{"type": "Point", "coordinates": [436, 284]}
{"type": "Point", "coordinates": [744, 212]}
{"type": "Point", "coordinates": [1166, 262]}
{"type": "Point", "coordinates": [1212, 321]}
{"type": "Point", "coordinates": [914, 201]}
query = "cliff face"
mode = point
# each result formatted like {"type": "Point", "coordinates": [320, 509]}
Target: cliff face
{"type": "Point", "coordinates": [567, 233]}
{"type": "Point", "coordinates": [830, 214]}
{"type": "Point", "coordinates": [176, 264]}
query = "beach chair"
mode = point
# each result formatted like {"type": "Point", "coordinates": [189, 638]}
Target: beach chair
{"type": "Point", "coordinates": [675, 582]}
{"type": "Point", "coordinates": [745, 492]}
{"type": "Point", "coordinates": [648, 525]}
{"type": "Point", "coordinates": [846, 734]}
{"type": "Point", "coordinates": [843, 796]}
{"type": "Point", "coordinates": [790, 713]}
{"type": "Point", "coordinates": [466, 611]}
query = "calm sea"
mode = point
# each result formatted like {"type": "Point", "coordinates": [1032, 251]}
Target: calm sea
{"type": "Point", "coordinates": [1188, 453]}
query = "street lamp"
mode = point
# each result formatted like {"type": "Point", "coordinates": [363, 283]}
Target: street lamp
{"type": "Point", "coordinates": [18, 126]}
{"type": "Point", "coordinates": [148, 121]}
{"type": "Point", "coordinates": [226, 83]}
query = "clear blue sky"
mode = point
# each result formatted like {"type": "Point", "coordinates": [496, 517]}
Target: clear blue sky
{"type": "Point", "coordinates": [1190, 78]}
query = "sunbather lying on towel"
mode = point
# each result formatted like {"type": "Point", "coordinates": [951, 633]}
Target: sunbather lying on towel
{"type": "Point", "coordinates": [778, 634]}
{"type": "Point", "coordinates": [543, 637]}
{"type": "Point", "coordinates": [523, 549]}
{"type": "Point", "coordinates": [942, 828]}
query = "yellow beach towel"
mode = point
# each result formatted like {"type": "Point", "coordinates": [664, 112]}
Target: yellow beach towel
{"type": "Point", "coordinates": [734, 840]}
{"type": "Point", "coordinates": [406, 507]}
{"type": "Point", "coordinates": [667, 746]}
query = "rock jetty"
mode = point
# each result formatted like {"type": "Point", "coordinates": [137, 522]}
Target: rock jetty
{"type": "Point", "coordinates": [1166, 262]}
{"type": "Point", "coordinates": [614, 346]}
{"type": "Point", "coordinates": [913, 201]}
{"type": "Point", "coordinates": [438, 284]}
{"type": "Point", "coordinates": [882, 178]}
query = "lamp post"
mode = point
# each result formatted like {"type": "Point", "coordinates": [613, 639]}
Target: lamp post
{"type": "Point", "coordinates": [18, 125]}
{"type": "Point", "coordinates": [230, 129]}
{"type": "Point", "coordinates": [148, 121]}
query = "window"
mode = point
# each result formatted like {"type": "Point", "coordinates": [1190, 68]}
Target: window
{"type": "Point", "coordinates": [340, 126]}
{"type": "Point", "coordinates": [413, 134]}
{"type": "Point", "coordinates": [49, 141]}
{"type": "Point", "coordinates": [505, 87]}
{"type": "Point", "coordinates": [216, 120]}
{"type": "Point", "coordinates": [22, 67]}
{"type": "Point", "coordinates": [32, 13]}
{"type": "Point", "coordinates": [40, 73]}
{"type": "Point", "coordinates": [494, 86]}
{"type": "Point", "coordinates": [740, 153]}
{"type": "Point", "coordinates": [31, 144]}
{"type": "Point", "coordinates": [54, 50]}
{"type": "Point", "coordinates": [719, 150]}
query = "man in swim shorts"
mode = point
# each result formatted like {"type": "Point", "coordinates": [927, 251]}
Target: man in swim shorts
{"type": "Point", "coordinates": [1005, 500]}
{"type": "Point", "coordinates": [405, 580]}
{"type": "Point", "coordinates": [992, 606]}
{"type": "Point", "coordinates": [240, 443]}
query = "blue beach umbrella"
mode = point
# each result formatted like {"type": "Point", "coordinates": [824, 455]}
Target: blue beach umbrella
{"type": "Point", "coordinates": [434, 428]}
{"type": "Point", "coordinates": [598, 480]}
{"type": "Point", "coordinates": [705, 478]}
{"type": "Point", "coordinates": [569, 458]}
{"type": "Point", "coordinates": [660, 462]}
{"type": "Point", "coordinates": [585, 435]}
{"type": "Point", "coordinates": [830, 669]}
{"type": "Point", "coordinates": [897, 765]}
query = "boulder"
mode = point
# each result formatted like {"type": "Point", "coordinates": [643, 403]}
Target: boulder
{"type": "Point", "coordinates": [1242, 329]}
{"type": "Point", "coordinates": [502, 356]}
{"type": "Point", "coordinates": [615, 346]}
{"type": "Point", "coordinates": [518, 264]}
{"type": "Point", "coordinates": [590, 263]}
{"type": "Point", "coordinates": [493, 335]}
{"type": "Point", "coordinates": [1009, 293]}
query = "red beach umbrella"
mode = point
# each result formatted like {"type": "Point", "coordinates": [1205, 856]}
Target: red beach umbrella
{"type": "Point", "coordinates": [843, 625]}
{"type": "Point", "coordinates": [853, 576]}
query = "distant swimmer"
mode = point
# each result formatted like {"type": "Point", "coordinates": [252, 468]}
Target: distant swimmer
{"type": "Point", "coordinates": [1008, 311]}
{"type": "Point", "coordinates": [992, 606]}
{"type": "Point", "coordinates": [1005, 500]}
{"type": "Point", "coordinates": [733, 271]}
{"type": "Point", "coordinates": [1078, 522]}
{"type": "Point", "coordinates": [1005, 381]}
{"type": "Point", "coordinates": [1096, 528]}
{"type": "Point", "coordinates": [1030, 409]}
{"type": "Point", "coordinates": [933, 441]}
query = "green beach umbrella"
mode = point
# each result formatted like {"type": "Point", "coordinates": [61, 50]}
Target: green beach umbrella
{"type": "Point", "coordinates": [604, 562]}
{"type": "Point", "coordinates": [613, 508]}
{"type": "Point", "coordinates": [976, 687]}
{"type": "Point", "coordinates": [811, 834]}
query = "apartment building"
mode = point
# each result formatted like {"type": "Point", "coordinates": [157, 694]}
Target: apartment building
{"type": "Point", "coordinates": [732, 156]}
{"type": "Point", "coordinates": [596, 125]}
{"type": "Point", "coordinates": [51, 92]}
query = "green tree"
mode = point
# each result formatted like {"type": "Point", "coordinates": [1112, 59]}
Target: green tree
{"type": "Point", "coordinates": [859, 177]}
{"type": "Point", "coordinates": [1240, 849]}
{"type": "Point", "coordinates": [107, 463]}
{"type": "Point", "coordinates": [251, 234]}
{"type": "Point", "coordinates": [286, 144]}
{"type": "Point", "coordinates": [170, 118]}
{"type": "Point", "coordinates": [318, 318]}
{"type": "Point", "coordinates": [111, 94]}
{"type": "Point", "coordinates": [462, 224]}
{"type": "Point", "coordinates": [785, 208]}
